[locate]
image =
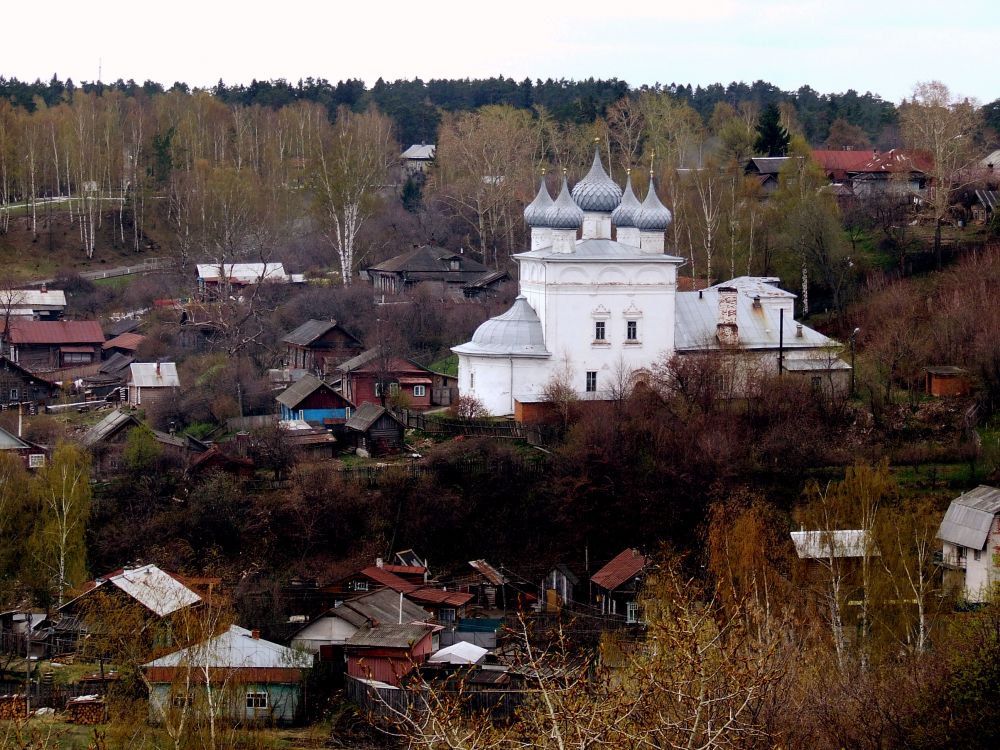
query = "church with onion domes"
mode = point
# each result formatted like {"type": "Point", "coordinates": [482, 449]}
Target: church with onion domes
{"type": "Point", "coordinates": [598, 302]}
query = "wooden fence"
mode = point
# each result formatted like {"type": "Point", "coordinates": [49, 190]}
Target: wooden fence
{"type": "Point", "coordinates": [499, 430]}
{"type": "Point", "coordinates": [389, 704]}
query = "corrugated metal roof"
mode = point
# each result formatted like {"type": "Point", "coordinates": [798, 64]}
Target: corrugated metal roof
{"type": "Point", "coordinates": [440, 596]}
{"type": "Point", "coordinates": [390, 636]}
{"type": "Point", "coordinates": [108, 426]}
{"type": "Point", "coordinates": [823, 544]}
{"type": "Point", "coordinates": [383, 606]}
{"type": "Point", "coordinates": [236, 648]}
{"type": "Point", "coordinates": [56, 332]}
{"type": "Point", "coordinates": [759, 286]}
{"type": "Point", "coordinates": [154, 375]}
{"type": "Point", "coordinates": [989, 198]}
{"type": "Point", "coordinates": [968, 519]}
{"type": "Point", "coordinates": [32, 298]}
{"type": "Point", "coordinates": [155, 589]}
{"type": "Point", "coordinates": [420, 152]}
{"type": "Point", "coordinates": [624, 566]}
{"type": "Point", "coordinates": [697, 318]}
{"type": "Point", "coordinates": [116, 363]}
{"type": "Point", "coordinates": [488, 572]}
{"type": "Point", "coordinates": [243, 273]}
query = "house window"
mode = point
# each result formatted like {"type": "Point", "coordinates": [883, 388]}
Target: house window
{"type": "Point", "coordinates": [446, 614]}
{"type": "Point", "coordinates": [393, 389]}
{"type": "Point", "coordinates": [359, 585]}
{"type": "Point", "coordinates": [13, 394]}
{"type": "Point", "coordinates": [632, 330]}
{"type": "Point", "coordinates": [256, 700]}
{"type": "Point", "coordinates": [591, 381]}
{"type": "Point", "coordinates": [419, 391]}
{"type": "Point", "coordinates": [631, 612]}
{"type": "Point", "coordinates": [36, 460]}
{"type": "Point", "coordinates": [975, 554]}
{"type": "Point", "coordinates": [77, 358]}
{"type": "Point", "coordinates": [454, 264]}
{"type": "Point", "coordinates": [472, 379]}
{"type": "Point", "coordinates": [181, 700]}
{"type": "Point", "coordinates": [599, 330]}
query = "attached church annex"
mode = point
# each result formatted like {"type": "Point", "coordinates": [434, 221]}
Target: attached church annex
{"type": "Point", "coordinates": [591, 307]}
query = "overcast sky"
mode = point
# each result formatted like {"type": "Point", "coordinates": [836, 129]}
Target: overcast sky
{"type": "Point", "coordinates": [883, 46]}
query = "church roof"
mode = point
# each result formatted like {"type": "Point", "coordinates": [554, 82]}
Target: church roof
{"type": "Point", "coordinates": [517, 332]}
{"type": "Point", "coordinates": [534, 212]}
{"type": "Point", "coordinates": [597, 191]}
{"type": "Point", "coordinates": [564, 213]}
{"type": "Point", "coordinates": [628, 210]}
{"type": "Point", "coordinates": [697, 318]}
{"type": "Point", "coordinates": [598, 249]}
{"type": "Point", "coordinates": [759, 286]}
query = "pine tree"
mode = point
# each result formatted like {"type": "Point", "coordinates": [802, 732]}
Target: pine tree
{"type": "Point", "coordinates": [772, 138]}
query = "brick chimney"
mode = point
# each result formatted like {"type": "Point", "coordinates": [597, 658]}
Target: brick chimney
{"type": "Point", "coordinates": [726, 331]}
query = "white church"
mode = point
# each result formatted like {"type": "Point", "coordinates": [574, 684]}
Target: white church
{"type": "Point", "coordinates": [591, 307]}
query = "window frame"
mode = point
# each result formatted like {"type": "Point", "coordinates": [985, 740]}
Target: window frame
{"type": "Point", "coordinates": [451, 616]}
{"type": "Point", "coordinates": [590, 382]}
{"type": "Point", "coordinates": [257, 699]}
{"type": "Point", "coordinates": [36, 460]}
{"type": "Point", "coordinates": [632, 331]}
{"type": "Point", "coordinates": [632, 613]}
{"type": "Point", "coordinates": [14, 394]}
{"type": "Point", "coordinates": [600, 332]}
{"type": "Point", "coordinates": [419, 391]}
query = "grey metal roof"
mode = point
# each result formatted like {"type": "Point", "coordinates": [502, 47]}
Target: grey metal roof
{"type": "Point", "coordinates": [390, 636]}
{"type": "Point", "coordinates": [534, 212]}
{"type": "Point", "coordinates": [297, 391]}
{"type": "Point", "coordinates": [757, 286]}
{"type": "Point", "coordinates": [9, 442]}
{"type": "Point", "coordinates": [697, 318]}
{"type": "Point", "coordinates": [154, 375]}
{"type": "Point", "coordinates": [517, 332]}
{"type": "Point", "coordinates": [236, 648]}
{"type": "Point", "coordinates": [564, 213]}
{"type": "Point", "coordinates": [628, 210]}
{"type": "Point", "coordinates": [116, 364]}
{"type": "Point", "coordinates": [601, 250]}
{"type": "Point", "coordinates": [420, 151]}
{"type": "Point", "coordinates": [107, 427]}
{"type": "Point", "coordinates": [359, 361]}
{"type": "Point", "coordinates": [969, 517]}
{"type": "Point", "coordinates": [811, 545]}
{"type": "Point", "coordinates": [384, 606]}
{"type": "Point", "coordinates": [597, 191]}
{"type": "Point", "coordinates": [653, 216]}
{"type": "Point", "coordinates": [769, 164]}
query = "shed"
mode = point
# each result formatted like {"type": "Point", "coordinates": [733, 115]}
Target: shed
{"type": "Point", "coordinates": [149, 382]}
{"type": "Point", "coordinates": [947, 381]}
{"type": "Point", "coordinates": [388, 653]}
{"type": "Point", "coordinates": [375, 431]}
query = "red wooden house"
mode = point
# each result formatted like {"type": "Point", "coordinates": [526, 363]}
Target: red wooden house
{"type": "Point", "coordinates": [365, 377]}
{"type": "Point", "coordinates": [388, 652]}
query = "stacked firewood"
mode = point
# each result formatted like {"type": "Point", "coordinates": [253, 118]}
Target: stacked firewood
{"type": "Point", "coordinates": [12, 707]}
{"type": "Point", "coordinates": [86, 710]}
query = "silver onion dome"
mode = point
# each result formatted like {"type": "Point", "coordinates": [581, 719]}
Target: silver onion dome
{"type": "Point", "coordinates": [628, 210]}
{"type": "Point", "coordinates": [534, 212]}
{"type": "Point", "coordinates": [517, 331]}
{"type": "Point", "coordinates": [653, 216]}
{"type": "Point", "coordinates": [564, 213]}
{"type": "Point", "coordinates": [597, 191]}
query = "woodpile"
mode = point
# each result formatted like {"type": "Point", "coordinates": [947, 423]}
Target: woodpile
{"type": "Point", "coordinates": [12, 707]}
{"type": "Point", "coordinates": [86, 710]}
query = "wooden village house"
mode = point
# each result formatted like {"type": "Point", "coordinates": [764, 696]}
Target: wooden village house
{"type": "Point", "coordinates": [617, 585]}
{"type": "Point", "coordinates": [314, 401]}
{"type": "Point", "coordinates": [318, 346]}
{"type": "Point", "coordinates": [387, 653]}
{"type": "Point", "coordinates": [375, 431]}
{"type": "Point", "coordinates": [19, 385]}
{"type": "Point", "coordinates": [45, 345]}
{"type": "Point", "coordinates": [150, 382]}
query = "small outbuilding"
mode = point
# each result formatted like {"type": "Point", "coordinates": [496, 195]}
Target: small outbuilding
{"type": "Point", "coordinates": [947, 381]}
{"type": "Point", "coordinates": [149, 382]}
{"type": "Point", "coordinates": [375, 431]}
{"type": "Point", "coordinates": [388, 653]}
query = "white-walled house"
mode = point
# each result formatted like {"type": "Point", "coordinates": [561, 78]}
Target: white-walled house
{"type": "Point", "coordinates": [970, 536]}
{"type": "Point", "coordinates": [598, 305]}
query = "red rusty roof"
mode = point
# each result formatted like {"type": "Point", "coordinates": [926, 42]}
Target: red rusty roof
{"type": "Point", "coordinates": [626, 565]}
{"type": "Point", "coordinates": [56, 332]}
{"type": "Point", "coordinates": [440, 596]}
{"type": "Point", "coordinates": [839, 162]}
{"type": "Point", "coordinates": [128, 341]}
{"type": "Point", "coordinates": [390, 580]}
{"type": "Point", "coordinates": [896, 161]}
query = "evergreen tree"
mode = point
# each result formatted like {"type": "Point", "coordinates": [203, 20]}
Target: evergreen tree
{"type": "Point", "coordinates": [772, 138]}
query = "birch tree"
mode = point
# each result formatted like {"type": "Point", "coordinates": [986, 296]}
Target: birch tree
{"type": "Point", "coordinates": [350, 164]}
{"type": "Point", "coordinates": [64, 497]}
